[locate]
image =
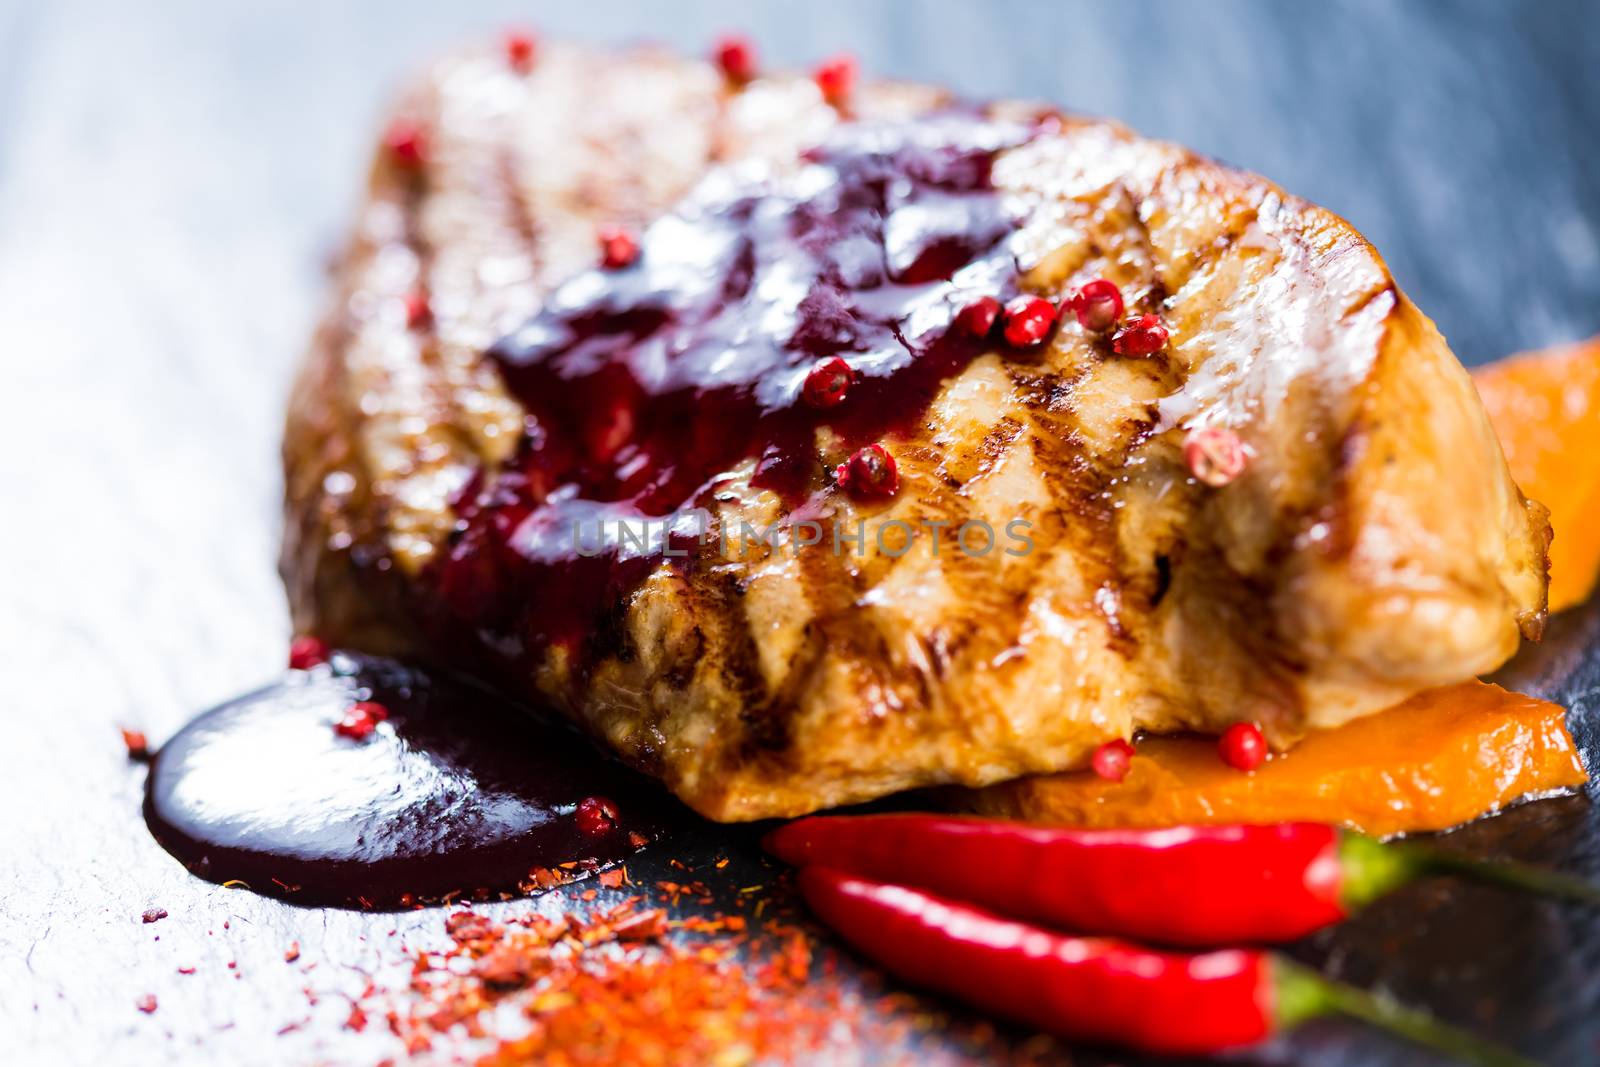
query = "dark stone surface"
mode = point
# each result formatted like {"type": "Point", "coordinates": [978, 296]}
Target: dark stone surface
{"type": "Point", "coordinates": [171, 176]}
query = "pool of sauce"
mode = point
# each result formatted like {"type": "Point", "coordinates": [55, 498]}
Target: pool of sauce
{"type": "Point", "coordinates": [645, 385]}
{"type": "Point", "coordinates": [457, 794]}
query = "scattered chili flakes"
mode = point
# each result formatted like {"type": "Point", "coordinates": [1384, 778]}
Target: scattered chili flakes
{"type": "Point", "coordinates": [542, 878]}
{"type": "Point", "coordinates": [645, 926]}
{"type": "Point", "coordinates": [631, 981]}
{"type": "Point", "coordinates": [507, 968]}
{"type": "Point", "coordinates": [136, 743]}
{"type": "Point", "coordinates": [154, 915]}
{"type": "Point", "coordinates": [463, 926]}
{"type": "Point", "coordinates": [292, 953]}
{"type": "Point", "coordinates": [146, 1003]}
{"type": "Point", "coordinates": [623, 984]}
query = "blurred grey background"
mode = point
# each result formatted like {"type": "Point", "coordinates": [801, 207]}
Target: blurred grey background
{"type": "Point", "coordinates": [1459, 136]}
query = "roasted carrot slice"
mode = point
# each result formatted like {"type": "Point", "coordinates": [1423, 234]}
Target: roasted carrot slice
{"type": "Point", "coordinates": [1437, 760]}
{"type": "Point", "coordinates": [1545, 406]}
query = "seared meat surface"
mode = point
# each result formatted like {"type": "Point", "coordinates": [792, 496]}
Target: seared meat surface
{"type": "Point", "coordinates": [439, 455]}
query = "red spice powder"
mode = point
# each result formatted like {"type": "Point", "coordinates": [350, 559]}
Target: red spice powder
{"type": "Point", "coordinates": [633, 980]}
{"type": "Point", "coordinates": [626, 984]}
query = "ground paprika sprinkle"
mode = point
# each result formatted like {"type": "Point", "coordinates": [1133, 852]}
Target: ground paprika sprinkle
{"type": "Point", "coordinates": [633, 983]}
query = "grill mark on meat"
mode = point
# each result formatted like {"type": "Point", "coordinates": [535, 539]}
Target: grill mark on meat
{"type": "Point", "coordinates": [610, 639]}
{"type": "Point", "coordinates": [1008, 621]}
{"type": "Point", "coordinates": [836, 585]}
{"type": "Point", "coordinates": [716, 600]}
{"type": "Point", "coordinates": [1163, 570]}
{"type": "Point", "coordinates": [1157, 289]}
{"type": "Point", "coordinates": [972, 578]}
{"type": "Point", "coordinates": [967, 580]}
{"type": "Point", "coordinates": [727, 588]}
{"type": "Point", "coordinates": [1080, 490]}
{"type": "Point", "coordinates": [1387, 289]}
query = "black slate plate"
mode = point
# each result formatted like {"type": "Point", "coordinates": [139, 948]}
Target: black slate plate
{"type": "Point", "coordinates": [170, 175]}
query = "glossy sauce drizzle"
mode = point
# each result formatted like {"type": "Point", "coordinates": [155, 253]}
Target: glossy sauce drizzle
{"type": "Point", "coordinates": [644, 384]}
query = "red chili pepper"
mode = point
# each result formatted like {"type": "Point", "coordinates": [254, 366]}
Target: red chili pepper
{"type": "Point", "coordinates": [1193, 885]}
{"type": "Point", "coordinates": [1098, 989]}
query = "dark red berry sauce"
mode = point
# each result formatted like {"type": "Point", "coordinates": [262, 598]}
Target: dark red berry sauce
{"type": "Point", "coordinates": [458, 792]}
{"type": "Point", "coordinates": [645, 383]}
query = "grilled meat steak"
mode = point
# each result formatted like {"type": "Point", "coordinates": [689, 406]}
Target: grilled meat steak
{"type": "Point", "coordinates": [598, 485]}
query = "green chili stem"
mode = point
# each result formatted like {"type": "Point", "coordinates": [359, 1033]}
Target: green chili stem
{"type": "Point", "coordinates": [1303, 994]}
{"type": "Point", "coordinates": [1498, 872]}
{"type": "Point", "coordinates": [1372, 869]}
